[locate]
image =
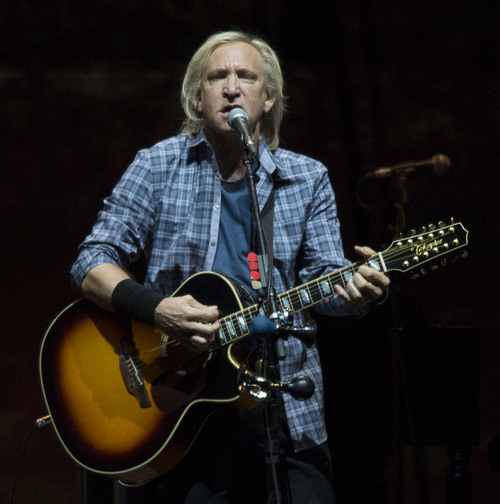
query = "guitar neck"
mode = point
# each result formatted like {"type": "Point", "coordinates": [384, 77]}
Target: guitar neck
{"type": "Point", "coordinates": [402, 255]}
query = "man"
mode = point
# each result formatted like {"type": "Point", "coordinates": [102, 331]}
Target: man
{"type": "Point", "coordinates": [184, 204]}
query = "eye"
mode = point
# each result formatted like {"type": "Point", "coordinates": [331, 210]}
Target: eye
{"type": "Point", "coordinates": [217, 75]}
{"type": "Point", "coordinates": [246, 75]}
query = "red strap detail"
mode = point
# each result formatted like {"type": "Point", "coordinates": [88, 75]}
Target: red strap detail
{"type": "Point", "coordinates": [254, 275]}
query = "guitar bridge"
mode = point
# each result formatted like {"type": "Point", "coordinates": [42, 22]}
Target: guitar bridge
{"type": "Point", "coordinates": [134, 380]}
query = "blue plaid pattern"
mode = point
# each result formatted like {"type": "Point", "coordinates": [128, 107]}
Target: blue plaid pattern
{"type": "Point", "coordinates": [167, 205]}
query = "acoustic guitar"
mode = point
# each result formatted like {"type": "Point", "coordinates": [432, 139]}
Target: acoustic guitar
{"type": "Point", "coordinates": [127, 401]}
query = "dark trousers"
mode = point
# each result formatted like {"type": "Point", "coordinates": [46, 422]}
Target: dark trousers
{"type": "Point", "coordinates": [227, 465]}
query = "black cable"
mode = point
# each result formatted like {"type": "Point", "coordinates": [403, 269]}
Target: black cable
{"type": "Point", "coordinates": [18, 472]}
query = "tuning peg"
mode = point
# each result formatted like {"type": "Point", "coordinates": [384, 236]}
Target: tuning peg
{"type": "Point", "coordinates": [434, 267]}
{"type": "Point", "coordinates": [414, 276]}
{"type": "Point", "coordinates": [431, 227]}
{"type": "Point", "coordinates": [423, 271]}
{"type": "Point", "coordinates": [444, 261]}
{"type": "Point", "coordinates": [412, 232]}
{"type": "Point", "coordinates": [464, 254]}
{"type": "Point", "coordinates": [441, 224]}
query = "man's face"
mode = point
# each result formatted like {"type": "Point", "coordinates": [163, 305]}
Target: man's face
{"type": "Point", "coordinates": [233, 77]}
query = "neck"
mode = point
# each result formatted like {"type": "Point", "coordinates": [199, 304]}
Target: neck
{"type": "Point", "coordinates": [228, 152]}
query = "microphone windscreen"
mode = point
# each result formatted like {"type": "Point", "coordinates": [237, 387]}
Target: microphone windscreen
{"type": "Point", "coordinates": [262, 326]}
{"type": "Point", "coordinates": [441, 164]}
{"type": "Point", "coordinates": [234, 114]}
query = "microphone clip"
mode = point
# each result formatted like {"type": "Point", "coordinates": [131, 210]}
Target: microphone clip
{"type": "Point", "coordinates": [284, 327]}
{"type": "Point", "coordinates": [301, 387]}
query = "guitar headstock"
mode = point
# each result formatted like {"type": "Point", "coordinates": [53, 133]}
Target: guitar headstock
{"type": "Point", "coordinates": [417, 249]}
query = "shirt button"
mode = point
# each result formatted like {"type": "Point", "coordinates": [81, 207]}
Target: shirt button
{"type": "Point", "coordinates": [216, 207]}
{"type": "Point", "coordinates": [212, 244]}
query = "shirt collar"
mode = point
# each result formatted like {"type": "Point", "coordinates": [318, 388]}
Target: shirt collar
{"type": "Point", "coordinates": [265, 156]}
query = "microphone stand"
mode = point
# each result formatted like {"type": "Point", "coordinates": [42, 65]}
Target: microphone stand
{"type": "Point", "coordinates": [400, 400]}
{"type": "Point", "coordinates": [273, 351]}
{"type": "Point", "coordinates": [396, 471]}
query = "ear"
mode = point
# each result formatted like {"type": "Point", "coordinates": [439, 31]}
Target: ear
{"type": "Point", "coordinates": [268, 104]}
{"type": "Point", "coordinates": [198, 105]}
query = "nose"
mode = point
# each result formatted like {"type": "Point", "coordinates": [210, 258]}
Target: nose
{"type": "Point", "coordinates": [231, 86]}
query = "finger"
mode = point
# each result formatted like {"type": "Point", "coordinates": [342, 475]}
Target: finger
{"type": "Point", "coordinates": [341, 292]}
{"type": "Point", "coordinates": [364, 251]}
{"type": "Point", "coordinates": [377, 278]}
{"type": "Point", "coordinates": [198, 340]}
{"type": "Point", "coordinates": [197, 343]}
{"type": "Point", "coordinates": [355, 291]}
{"type": "Point", "coordinates": [373, 276]}
{"type": "Point", "coordinates": [351, 293]}
{"type": "Point", "coordinates": [208, 314]}
{"type": "Point", "coordinates": [203, 329]}
{"type": "Point", "coordinates": [363, 290]}
{"type": "Point", "coordinates": [193, 303]}
{"type": "Point", "coordinates": [201, 312]}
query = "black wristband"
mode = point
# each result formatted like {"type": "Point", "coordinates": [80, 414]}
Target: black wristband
{"type": "Point", "coordinates": [132, 299]}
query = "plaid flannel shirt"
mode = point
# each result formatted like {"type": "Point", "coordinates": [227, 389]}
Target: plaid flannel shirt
{"type": "Point", "coordinates": [167, 205]}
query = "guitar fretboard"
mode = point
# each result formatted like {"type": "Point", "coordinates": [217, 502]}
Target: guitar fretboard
{"type": "Point", "coordinates": [237, 325]}
{"type": "Point", "coordinates": [403, 255]}
{"type": "Point", "coordinates": [315, 291]}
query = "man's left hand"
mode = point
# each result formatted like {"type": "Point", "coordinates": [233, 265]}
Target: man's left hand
{"type": "Point", "coordinates": [366, 285]}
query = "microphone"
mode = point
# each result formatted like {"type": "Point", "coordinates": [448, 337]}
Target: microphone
{"type": "Point", "coordinates": [262, 327]}
{"type": "Point", "coordinates": [439, 163]}
{"type": "Point", "coordinates": [301, 387]}
{"type": "Point", "coordinates": [238, 120]}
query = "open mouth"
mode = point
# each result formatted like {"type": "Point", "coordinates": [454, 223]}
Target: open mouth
{"type": "Point", "coordinates": [228, 108]}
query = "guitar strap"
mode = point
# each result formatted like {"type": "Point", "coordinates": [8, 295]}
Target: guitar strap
{"type": "Point", "coordinates": [268, 221]}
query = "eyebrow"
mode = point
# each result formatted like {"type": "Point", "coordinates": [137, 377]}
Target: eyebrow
{"type": "Point", "coordinates": [222, 71]}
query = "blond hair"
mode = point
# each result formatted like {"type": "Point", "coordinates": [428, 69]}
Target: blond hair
{"type": "Point", "coordinates": [271, 121]}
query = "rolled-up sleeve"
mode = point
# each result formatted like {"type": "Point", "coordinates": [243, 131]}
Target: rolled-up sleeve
{"type": "Point", "coordinates": [124, 226]}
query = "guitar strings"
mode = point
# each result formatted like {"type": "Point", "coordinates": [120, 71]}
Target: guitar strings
{"type": "Point", "coordinates": [314, 289]}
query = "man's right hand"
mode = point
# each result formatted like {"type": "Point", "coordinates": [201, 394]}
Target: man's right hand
{"type": "Point", "coordinates": [188, 321]}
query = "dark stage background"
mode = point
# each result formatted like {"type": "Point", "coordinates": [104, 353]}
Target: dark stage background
{"type": "Point", "coordinates": [370, 83]}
